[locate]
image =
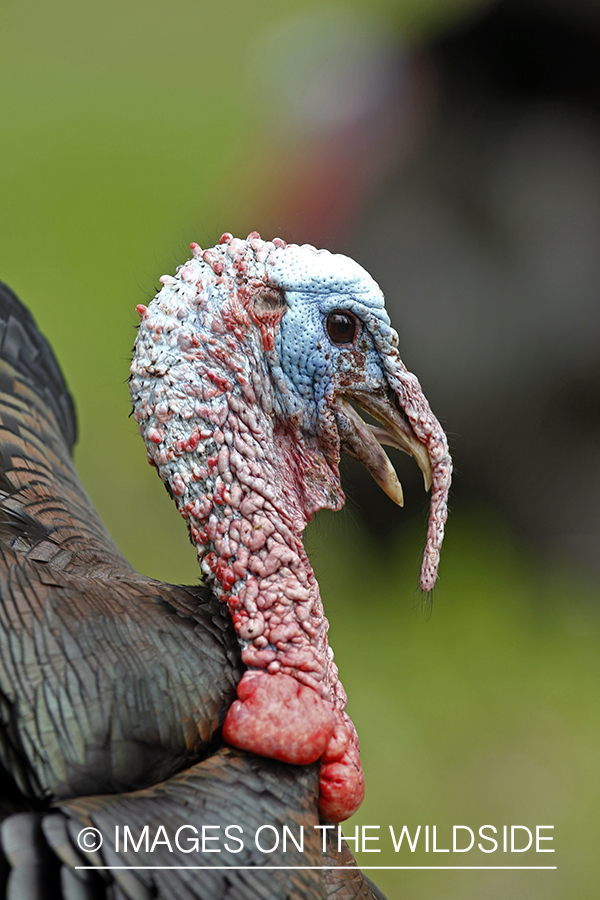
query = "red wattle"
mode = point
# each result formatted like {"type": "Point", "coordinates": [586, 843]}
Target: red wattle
{"type": "Point", "coordinates": [278, 717]}
{"type": "Point", "coordinates": [342, 786]}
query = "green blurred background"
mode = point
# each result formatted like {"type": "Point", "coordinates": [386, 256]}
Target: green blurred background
{"type": "Point", "coordinates": [129, 129]}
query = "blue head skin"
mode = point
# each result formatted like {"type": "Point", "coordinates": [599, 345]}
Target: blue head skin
{"type": "Point", "coordinates": [317, 361]}
{"type": "Point", "coordinates": [303, 335]}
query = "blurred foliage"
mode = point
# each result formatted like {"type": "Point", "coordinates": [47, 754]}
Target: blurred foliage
{"type": "Point", "coordinates": [482, 710]}
{"type": "Point", "coordinates": [130, 129]}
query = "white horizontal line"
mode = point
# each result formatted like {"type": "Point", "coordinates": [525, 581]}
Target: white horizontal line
{"type": "Point", "coordinates": [297, 868]}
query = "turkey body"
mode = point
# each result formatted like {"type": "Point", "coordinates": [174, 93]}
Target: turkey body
{"type": "Point", "coordinates": [113, 691]}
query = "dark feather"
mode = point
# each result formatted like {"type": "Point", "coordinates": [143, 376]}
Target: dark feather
{"type": "Point", "coordinates": [113, 687]}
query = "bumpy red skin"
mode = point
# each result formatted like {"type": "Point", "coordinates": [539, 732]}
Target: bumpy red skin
{"type": "Point", "coordinates": [276, 716]}
{"type": "Point", "coordinates": [255, 718]}
{"type": "Point", "coordinates": [248, 475]}
{"type": "Point", "coordinates": [247, 488]}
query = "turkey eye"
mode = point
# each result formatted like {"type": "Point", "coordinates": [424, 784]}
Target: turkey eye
{"type": "Point", "coordinates": [341, 327]}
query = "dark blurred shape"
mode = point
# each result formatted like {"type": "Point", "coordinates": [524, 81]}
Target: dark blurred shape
{"type": "Point", "coordinates": [346, 104]}
{"type": "Point", "coordinates": [486, 245]}
{"type": "Point", "coordinates": [528, 49]}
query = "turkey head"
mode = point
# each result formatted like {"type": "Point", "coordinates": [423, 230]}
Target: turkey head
{"type": "Point", "coordinates": [247, 370]}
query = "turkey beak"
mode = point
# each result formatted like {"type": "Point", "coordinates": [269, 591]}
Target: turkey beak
{"type": "Point", "coordinates": [363, 441]}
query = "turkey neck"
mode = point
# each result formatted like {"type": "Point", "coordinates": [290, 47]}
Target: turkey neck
{"type": "Point", "coordinates": [251, 548]}
{"type": "Point", "coordinates": [247, 475]}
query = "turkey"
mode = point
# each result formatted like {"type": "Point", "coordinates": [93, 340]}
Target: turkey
{"type": "Point", "coordinates": [179, 722]}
